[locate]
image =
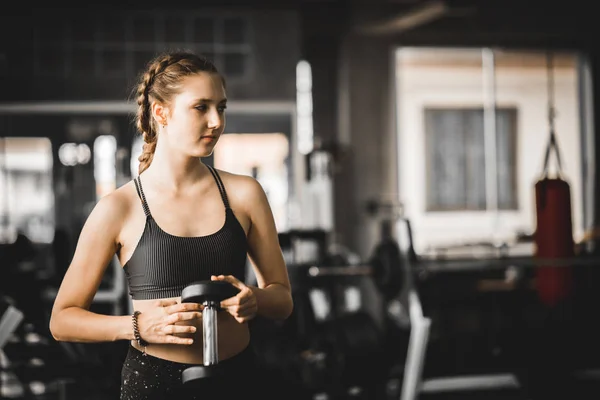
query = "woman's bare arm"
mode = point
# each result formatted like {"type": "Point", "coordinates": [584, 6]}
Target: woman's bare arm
{"type": "Point", "coordinates": [273, 294]}
{"type": "Point", "coordinates": [71, 319]}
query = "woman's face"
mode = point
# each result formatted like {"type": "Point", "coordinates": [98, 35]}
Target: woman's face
{"type": "Point", "coordinates": [197, 115]}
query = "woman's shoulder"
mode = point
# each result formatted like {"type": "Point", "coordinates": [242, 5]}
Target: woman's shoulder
{"type": "Point", "coordinates": [117, 203]}
{"type": "Point", "coordinates": [241, 187]}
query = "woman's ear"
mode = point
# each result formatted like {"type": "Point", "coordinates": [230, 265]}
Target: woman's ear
{"type": "Point", "coordinates": [159, 113]}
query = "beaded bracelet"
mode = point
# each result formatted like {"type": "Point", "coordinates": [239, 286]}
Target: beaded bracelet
{"type": "Point", "coordinates": [136, 331]}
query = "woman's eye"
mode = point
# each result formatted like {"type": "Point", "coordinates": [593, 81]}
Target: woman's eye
{"type": "Point", "coordinates": [204, 108]}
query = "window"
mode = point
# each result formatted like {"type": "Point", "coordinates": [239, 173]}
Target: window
{"type": "Point", "coordinates": [263, 156]}
{"type": "Point", "coordinates": [456, 159]}
{"type": "Point", "coordinates": [26, 188]}
{"type": "Point", "coordinates": [114, 45]}
{"type": "Point", "coordinates": [105, 168]}
{"type": "Point", "coordinates": [453, 190]}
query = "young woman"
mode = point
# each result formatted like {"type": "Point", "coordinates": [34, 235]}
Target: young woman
{"type": "Point", "coordinates": [178, 222]}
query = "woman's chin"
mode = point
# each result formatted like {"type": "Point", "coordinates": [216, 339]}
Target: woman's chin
{"type": "Point", "coordinates": [198, 150]}
{"type": "Point", "coordinates": [202, 153]}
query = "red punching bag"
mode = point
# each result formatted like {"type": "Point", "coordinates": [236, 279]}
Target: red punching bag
{"type": "Point", "coordinates": [554, 233]}
{"type": "Point", "coordinates": [554, 230]}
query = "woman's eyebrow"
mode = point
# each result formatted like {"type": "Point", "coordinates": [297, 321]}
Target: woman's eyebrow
{"type": "Point", "coordinates": [207, 100]}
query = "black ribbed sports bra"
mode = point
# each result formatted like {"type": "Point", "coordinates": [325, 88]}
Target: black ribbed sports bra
{"type": "Point", "coordinates": [163, 264]}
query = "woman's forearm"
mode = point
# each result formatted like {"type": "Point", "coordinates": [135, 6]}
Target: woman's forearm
{"type": "Point", "coordinates": [75, 324]}
{"type": "Point", "coordinates": [274, 301]}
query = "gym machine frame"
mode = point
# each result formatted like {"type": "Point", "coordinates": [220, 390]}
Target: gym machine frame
{"type": "Point", "coordinates": [419, 324]}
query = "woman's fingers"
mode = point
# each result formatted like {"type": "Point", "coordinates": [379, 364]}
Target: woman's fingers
{"type": "Point", "coordinates": [239, 308]}
{"type": "Point", "coordinates": [165, 302]}
{"type": "Point", "coordinates": [183, 316]}
{"type": "Point", "coordinates": [182, 307]}
{"type": "Point", "coordinates": [243, 297]}
{"type": "Point", "coordinates": [229, 278]}
{"type": "Point", "coordinates": [246, 313]}
{"type": "Point", "coordinates": [177, 340]}
{"type": "Point", "coordinates": [173, 329]}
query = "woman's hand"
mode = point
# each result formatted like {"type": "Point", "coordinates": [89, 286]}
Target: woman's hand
{"type": "Point", "coordinates": [160, 324]}
{"type": "Point", "coordinates": [243, 306]}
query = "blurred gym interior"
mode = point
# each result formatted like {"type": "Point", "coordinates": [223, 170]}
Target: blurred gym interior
{"type": "Point", "coordinates": [430, 165]}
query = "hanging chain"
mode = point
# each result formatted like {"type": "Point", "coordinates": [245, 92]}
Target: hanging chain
{"type": "Point", "coordinates": [551, 106]}
{"type": "Point", "coordinates": [552, 144]}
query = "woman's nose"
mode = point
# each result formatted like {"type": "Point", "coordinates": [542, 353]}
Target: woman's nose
{"type": "Point", "coordinates": [215, 120]}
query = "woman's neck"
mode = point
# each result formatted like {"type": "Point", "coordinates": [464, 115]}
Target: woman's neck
{"type": "Point", "coordinates": [174, 173]}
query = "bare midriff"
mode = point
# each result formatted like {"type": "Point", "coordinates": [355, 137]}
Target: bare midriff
{"type": "Point", "coordinates": [232, 338]}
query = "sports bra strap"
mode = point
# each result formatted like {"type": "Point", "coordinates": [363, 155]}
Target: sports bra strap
{"type": "Point", "coordinates": [140, 192]}
{"type": "Point", "coordinates": [220, 185]}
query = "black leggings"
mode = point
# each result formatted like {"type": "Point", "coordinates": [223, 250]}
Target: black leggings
{"type": "Point", "coordinates": [145, 377]}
